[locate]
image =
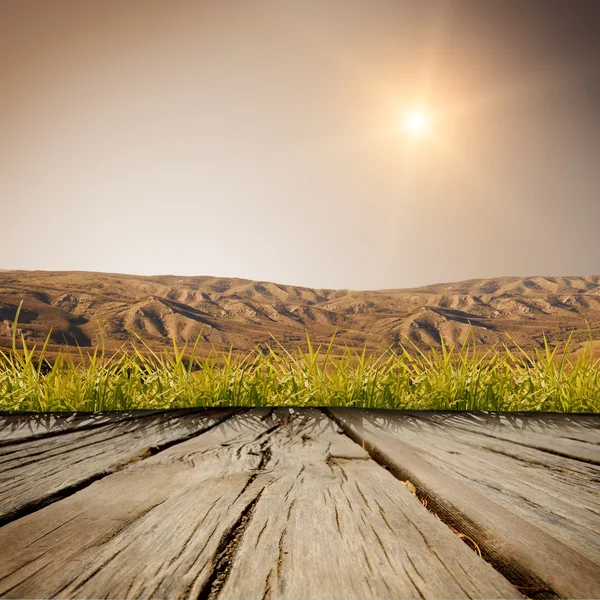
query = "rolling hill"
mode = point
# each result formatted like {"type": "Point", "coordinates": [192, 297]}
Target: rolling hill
{"type": "Point", "coordinates": [79, 307]}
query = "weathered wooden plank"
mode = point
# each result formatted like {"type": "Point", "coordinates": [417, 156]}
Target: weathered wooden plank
{"type": "Point", "coordinates": [158, 523]}
{"type": "Point", "coordinates": [36, 472]}
{"type": "Point", "coordinates": [582, 426]}
{"type": "Point", "coordinates": [559, 494]}
{"type": "Point", "coordinates": [574, 436]}
{"type": "Point", "coordinates": [534, 514]}
{"type": "Point", "coordinates": [262, 506]}
{"type": "Point", "coordinates": [331, 523]}
{"type": "Point", "coordinates": [22, 426]}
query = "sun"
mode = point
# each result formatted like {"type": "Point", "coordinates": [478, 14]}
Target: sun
{"type": "Point", "coordinates": [416, 123]}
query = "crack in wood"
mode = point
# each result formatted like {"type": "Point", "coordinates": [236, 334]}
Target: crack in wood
{"type": "Point", "coordinates": [261, 532]}
{"type": "Point", "coordinates": [367, 561]}
{"type": "Point", "coordinates": [362, 495]}
{"type": "Point", "coordinates": [96, 570]}
{"type": "Point", "coordinates": [51, 531]}
{"type": "Point", "coordinates": [381, 544]}
{"type": "Point", "coordinates": [411, 579]}
{"type": "Point", "coordinates": [267, 591]}
{"type": "Point", "coordinates": [280, 547]}
{"type": "Point", "coordinates": [35, 505]}
{"type": "Point", "coordinates": [187, 541]}
{"type": "Point", "coordinates": [382, 513]}
{"type": "Point", "coordinates": [225, 553]}
{"type": "Point", "coordinates": [294, 483]}
{"type": "Point", "coordinates": [265, 457]}
{"type": "Point", "coordinates": [452, 575]}
{"type": "Point", "coordinates": [566, 437]}
{"type": "Point", "coordinates": [5, 591]}
{"type": "Point", "coordinates": [105, 539]}
{"type": "Point", "coordinates": [337, 521]}
{"type": "Point", "coordinates": [529, 461]}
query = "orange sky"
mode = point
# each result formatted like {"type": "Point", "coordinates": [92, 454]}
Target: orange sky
{"type": "Point", "coordinates": [260, 139]}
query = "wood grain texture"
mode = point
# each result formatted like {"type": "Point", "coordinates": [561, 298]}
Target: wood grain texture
{"type": "Point", "coordinates": [331, 523]}
{"type": "Point", "coordinates": [534, 513]}
{"type": "Point", "coordinates": [151, 530]}
{"type": "Point", "coordinates": [264, 505]}
{"type": "Point", "coordinates": [572, 436]}
{"type": "Point", "coordinates": [560, 494]}
{"type": "Point", "coordinates": [21, 426]}
{"type": "Point", "coordinates": [36, 472]}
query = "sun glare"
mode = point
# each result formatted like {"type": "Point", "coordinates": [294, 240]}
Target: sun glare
{"type": "Point", "coordinates": [416, 123]}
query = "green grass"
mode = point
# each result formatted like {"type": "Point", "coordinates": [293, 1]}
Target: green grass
{"type": "Point", "coordinates": [455, 378]}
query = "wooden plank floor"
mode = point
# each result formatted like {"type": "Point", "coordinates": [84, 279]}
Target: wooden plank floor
{"type": "Point", "coordinates": [19, 425]}
{"type": "Point", "coordinates": [300, 503]}
{"type": "Point", "coordinates": [526, 487]}
{"type": "Point", "coordinates": [40, 469]}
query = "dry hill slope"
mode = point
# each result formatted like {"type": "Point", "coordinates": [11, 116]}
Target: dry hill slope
{"type": "Point", "coordinates": [240, 313]}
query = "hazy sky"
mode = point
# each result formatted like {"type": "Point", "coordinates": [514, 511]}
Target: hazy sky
{"type": "Point", "coordinates": [263, 139]}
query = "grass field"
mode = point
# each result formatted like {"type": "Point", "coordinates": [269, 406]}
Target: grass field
{"type": "Point", "coordinates": [455, 378]}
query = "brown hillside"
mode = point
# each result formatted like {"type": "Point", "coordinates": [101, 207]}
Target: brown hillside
{"type": "Point", "coordinates": [242, 314]}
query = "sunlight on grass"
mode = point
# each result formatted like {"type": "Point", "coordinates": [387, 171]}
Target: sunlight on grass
{"type": "Point", "coordinates": [454, 378]}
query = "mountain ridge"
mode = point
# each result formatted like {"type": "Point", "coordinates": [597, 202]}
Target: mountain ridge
{"type": "Point", "coordinates": [243, 313]}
